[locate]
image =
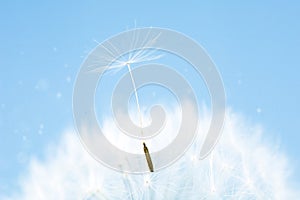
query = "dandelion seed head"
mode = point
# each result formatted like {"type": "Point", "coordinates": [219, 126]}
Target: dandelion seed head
{"type": "Point", "coordinates": [240, 167]}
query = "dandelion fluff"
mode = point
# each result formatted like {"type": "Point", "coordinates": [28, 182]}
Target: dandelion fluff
{"type": "Point", "coordinates": [241, 166]}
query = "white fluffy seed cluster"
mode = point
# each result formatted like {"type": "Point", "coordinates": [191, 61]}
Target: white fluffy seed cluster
{"type": "Point", "coordinates": [240, 167]}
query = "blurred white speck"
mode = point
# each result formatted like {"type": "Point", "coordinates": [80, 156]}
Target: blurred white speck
{"type": "Point", "coordinates": [240, 82]}
{"type": "Point", "coordinates": [41, 128]}
{"type": "Point", "coordinates": [42, 85]}
{"type": "Point", "coordinates": [2, 106]}
{"type": "Point", "coordinates": [258, 110]}
{"type": "Point", "coordinates": [54, 49]}
{"type": "Point", "coordinates": [58, 95]}
{"type": "Point", "coordinates": [24, 138]}
{"type": "Point", "coordinates": [66, 65]}
{"type": "Point", "coordinates": [22, 53]}
{"type": "Point", "coordinates": [20, 82]}
{"type": "Point", "coordinates": [68, 79]}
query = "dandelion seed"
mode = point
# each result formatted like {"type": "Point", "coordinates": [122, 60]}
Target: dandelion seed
{"type": "Point", "coordinates": [138, 56]}
{"type": "Point", "coordinates": [148, 158]}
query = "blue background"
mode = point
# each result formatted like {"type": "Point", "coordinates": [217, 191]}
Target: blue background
{"type": "Point", "coordinates": [255, 45]}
